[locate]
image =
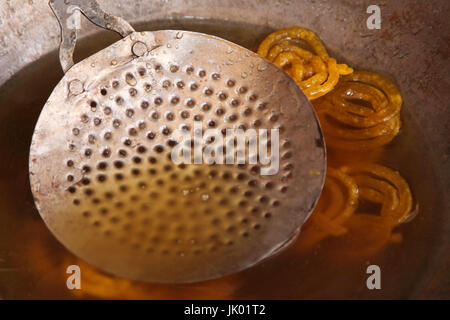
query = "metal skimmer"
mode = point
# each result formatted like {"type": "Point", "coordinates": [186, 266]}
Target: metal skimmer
{"type": "Point", "coordinates": [100, 166]}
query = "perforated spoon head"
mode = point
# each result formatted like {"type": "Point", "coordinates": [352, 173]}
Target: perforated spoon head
{"type": "Point", "coordinates": [106, 184]}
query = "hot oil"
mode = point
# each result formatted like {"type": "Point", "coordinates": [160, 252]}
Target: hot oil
{"type": "Point", "coordinates": [33, 264]}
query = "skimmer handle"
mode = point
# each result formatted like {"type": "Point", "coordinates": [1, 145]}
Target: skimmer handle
{"type": "Point", "coordinates": [68, 13]}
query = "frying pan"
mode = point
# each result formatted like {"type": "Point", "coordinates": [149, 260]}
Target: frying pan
{"type": "Point", "coordinates": [411, 47]}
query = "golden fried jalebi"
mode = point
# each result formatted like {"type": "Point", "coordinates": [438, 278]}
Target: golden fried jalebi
{"type": "Point", "coordinates": [52, 264]}
{"type": "Point", "coordinates": [315, 72]}
{"type": "Point", "coordinates": [381, 185]}
{"type": "Point", "coordinates": [99, 285]}
{"type": "Point", "coordinates": [338, 202]}
{"type": "Point", "coordinates": [370, 232]}
{"type": "Point", "coordinates": [338, 213]}
{"type": "Point", "coordinates": [362, 112]}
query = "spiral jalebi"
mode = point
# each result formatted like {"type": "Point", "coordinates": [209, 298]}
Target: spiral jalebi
{"type": "Point", "coordinates": [362, 112]}
{"type": "Point", "coordinates": [315, 72]}
{"type": "Point", "coordinates": [337, 204]}
{"type": "Point", "coordinates": [339, 214]}
{"type": "Point", "coordinates": [384, 186]}
{"type": "Point", "coordinates": [368, 233]}
{"type": "Point", "coordinates": [359, 111]}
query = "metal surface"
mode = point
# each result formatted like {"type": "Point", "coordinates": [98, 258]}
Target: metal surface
{"type": "Point", "coordinates": [413, 33]}
{"type": "Point", "coordinates": [104, 182]}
